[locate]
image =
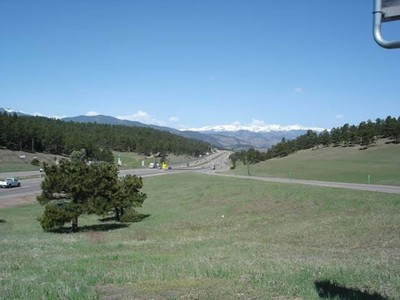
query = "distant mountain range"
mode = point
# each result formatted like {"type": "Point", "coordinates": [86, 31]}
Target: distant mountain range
{"type": "Point", "coordinates": [234, 137]}
{"type": "Point", "coordinates": [258, 126]}
{"type": "Point", "coordinates": [226, 137]}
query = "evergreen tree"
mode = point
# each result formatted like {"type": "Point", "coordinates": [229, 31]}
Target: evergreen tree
{"type": "Point", "coordinates": [67, 184]}
{"type": "Point", "coordinates": [325, 138]}
{"type": "Point", "coordinates": [354, 138]}
{"type": "Point", "coordinates": [345, 133]}
{"type": "Point", "coordinates": [336, 135]}
{"type": "Point", "coordinates": [389, 127]}
{"type": "Point", "coordinates": [57, 137]}
{"type": "Point", "coordinates": [366, 133]}
{"type": "Point", "coordinates": [71, 189]}
{"type": "Point", "coordinates": [127, 195]}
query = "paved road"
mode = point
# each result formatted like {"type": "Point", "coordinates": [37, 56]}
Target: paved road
{"type": "Point", "coordinates": [31, 186]}
{"type": "Point", "coordinates": [220, 160]}
{"type": "Point", "coordinates": [341, 185]}
{"type": "Point", "coordinates": [30, 180]}
{"type": "Point", "coordinates": [28, 187]}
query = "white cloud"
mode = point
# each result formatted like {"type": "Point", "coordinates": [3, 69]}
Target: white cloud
{"type": "Point", "coordinates": [299, 90]}
{"type": "Point", "coordinates": [143, 117]}
{"type": "Point", "coordinates": [256, 122]}
{"type": "Point", "coordinates": [92, 113]}
{"type": "Point", "coordinates": [339, 116]}
{"type": "Point", "coordinates": [173, 119]}
{"type": "Point", "coordinates": [139, 116]}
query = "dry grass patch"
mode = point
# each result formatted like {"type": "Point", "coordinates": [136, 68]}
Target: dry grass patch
{"type": "Point", "coordinates": [184, 289]}
{"type": "Point", "coordinates": [96, 237]}
{"type": "Point", "coordinates": [141, 235]}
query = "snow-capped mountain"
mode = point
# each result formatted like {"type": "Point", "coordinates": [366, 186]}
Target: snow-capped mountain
{"type": "Point", "coordinates": [243, 139]}
{"type": "Point", "coordinates": [253, 128]}
{"type": "Point", "coordinates": [12, 111]}
{"type": "Point", "coordinates": [8, 110]}
{"type": "Point", "coordinates": [257, 135]}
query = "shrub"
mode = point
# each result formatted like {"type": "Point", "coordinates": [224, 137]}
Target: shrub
{"type": "Point", "coordinates": [35, 162]}
{"type": "Point", "coordinates": [54, 216]}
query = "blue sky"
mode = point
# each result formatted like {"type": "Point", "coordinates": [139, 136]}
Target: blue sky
{"type": "Point", "coordinates": [190, 63]}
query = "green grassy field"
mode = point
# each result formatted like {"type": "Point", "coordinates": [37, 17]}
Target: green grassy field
{"type": "Point", "coordinates": [381, 162]}
{"type": "Point", "coordinates": [212, 238]}
{"type": "Point", "coordinates": [13, 167]}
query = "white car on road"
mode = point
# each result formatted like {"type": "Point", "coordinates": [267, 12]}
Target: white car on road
{"type": "Point", "coordinates": [9, 182]}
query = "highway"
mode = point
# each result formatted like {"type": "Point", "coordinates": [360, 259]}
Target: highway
{"type": "Point", "coordinates": [30, 181]}
{"type": "Point", "coordinates": [341, 185]}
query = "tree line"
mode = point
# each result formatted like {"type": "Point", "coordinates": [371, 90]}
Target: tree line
{"type": "Point", "coordinates": [364, 134]}
{"type": "Point", "coordinates": [41, 134]}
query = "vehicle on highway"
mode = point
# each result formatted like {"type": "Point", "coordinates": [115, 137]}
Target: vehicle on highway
{"type": "Point", "coordinates": [154, 166]}
{"type": "Point", "coordinates": [9, 182]}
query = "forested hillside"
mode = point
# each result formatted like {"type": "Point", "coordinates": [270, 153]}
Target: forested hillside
{"type": "Point", "coordinates": [41, 134]}
{"type": "Point", "coordinates": [364, 135]}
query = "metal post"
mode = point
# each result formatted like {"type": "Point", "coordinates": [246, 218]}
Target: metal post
{"type": "Point", "coordinates": [377, 22]}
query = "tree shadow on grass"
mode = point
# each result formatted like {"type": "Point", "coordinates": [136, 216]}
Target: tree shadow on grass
{"type": "Point", "coordinates": [392, 142]}
{"type": "Point", "coordinates": [2, 221]}
{"type": "Point", "coordinates": [96, 227]}
{"type": "Point", "coordinates": [136, 218]}
{"type": "Point", "coordinates": [331, 290]}
{"type": "Point", "coordinates": [133, 218]}
{"type": "Point", "coordinates": [103, 227]}
{"type": "Point", "coordinates": [107, 219]}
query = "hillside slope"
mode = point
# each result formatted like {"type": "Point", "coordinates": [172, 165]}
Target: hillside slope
{"type": "Point", "coordinates": [379, 164]}
{"type": "Point", "coordinates": [15, 161]}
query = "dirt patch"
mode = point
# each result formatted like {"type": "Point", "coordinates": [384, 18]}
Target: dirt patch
{"type": "Point", "coordinates": [17, 200]}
